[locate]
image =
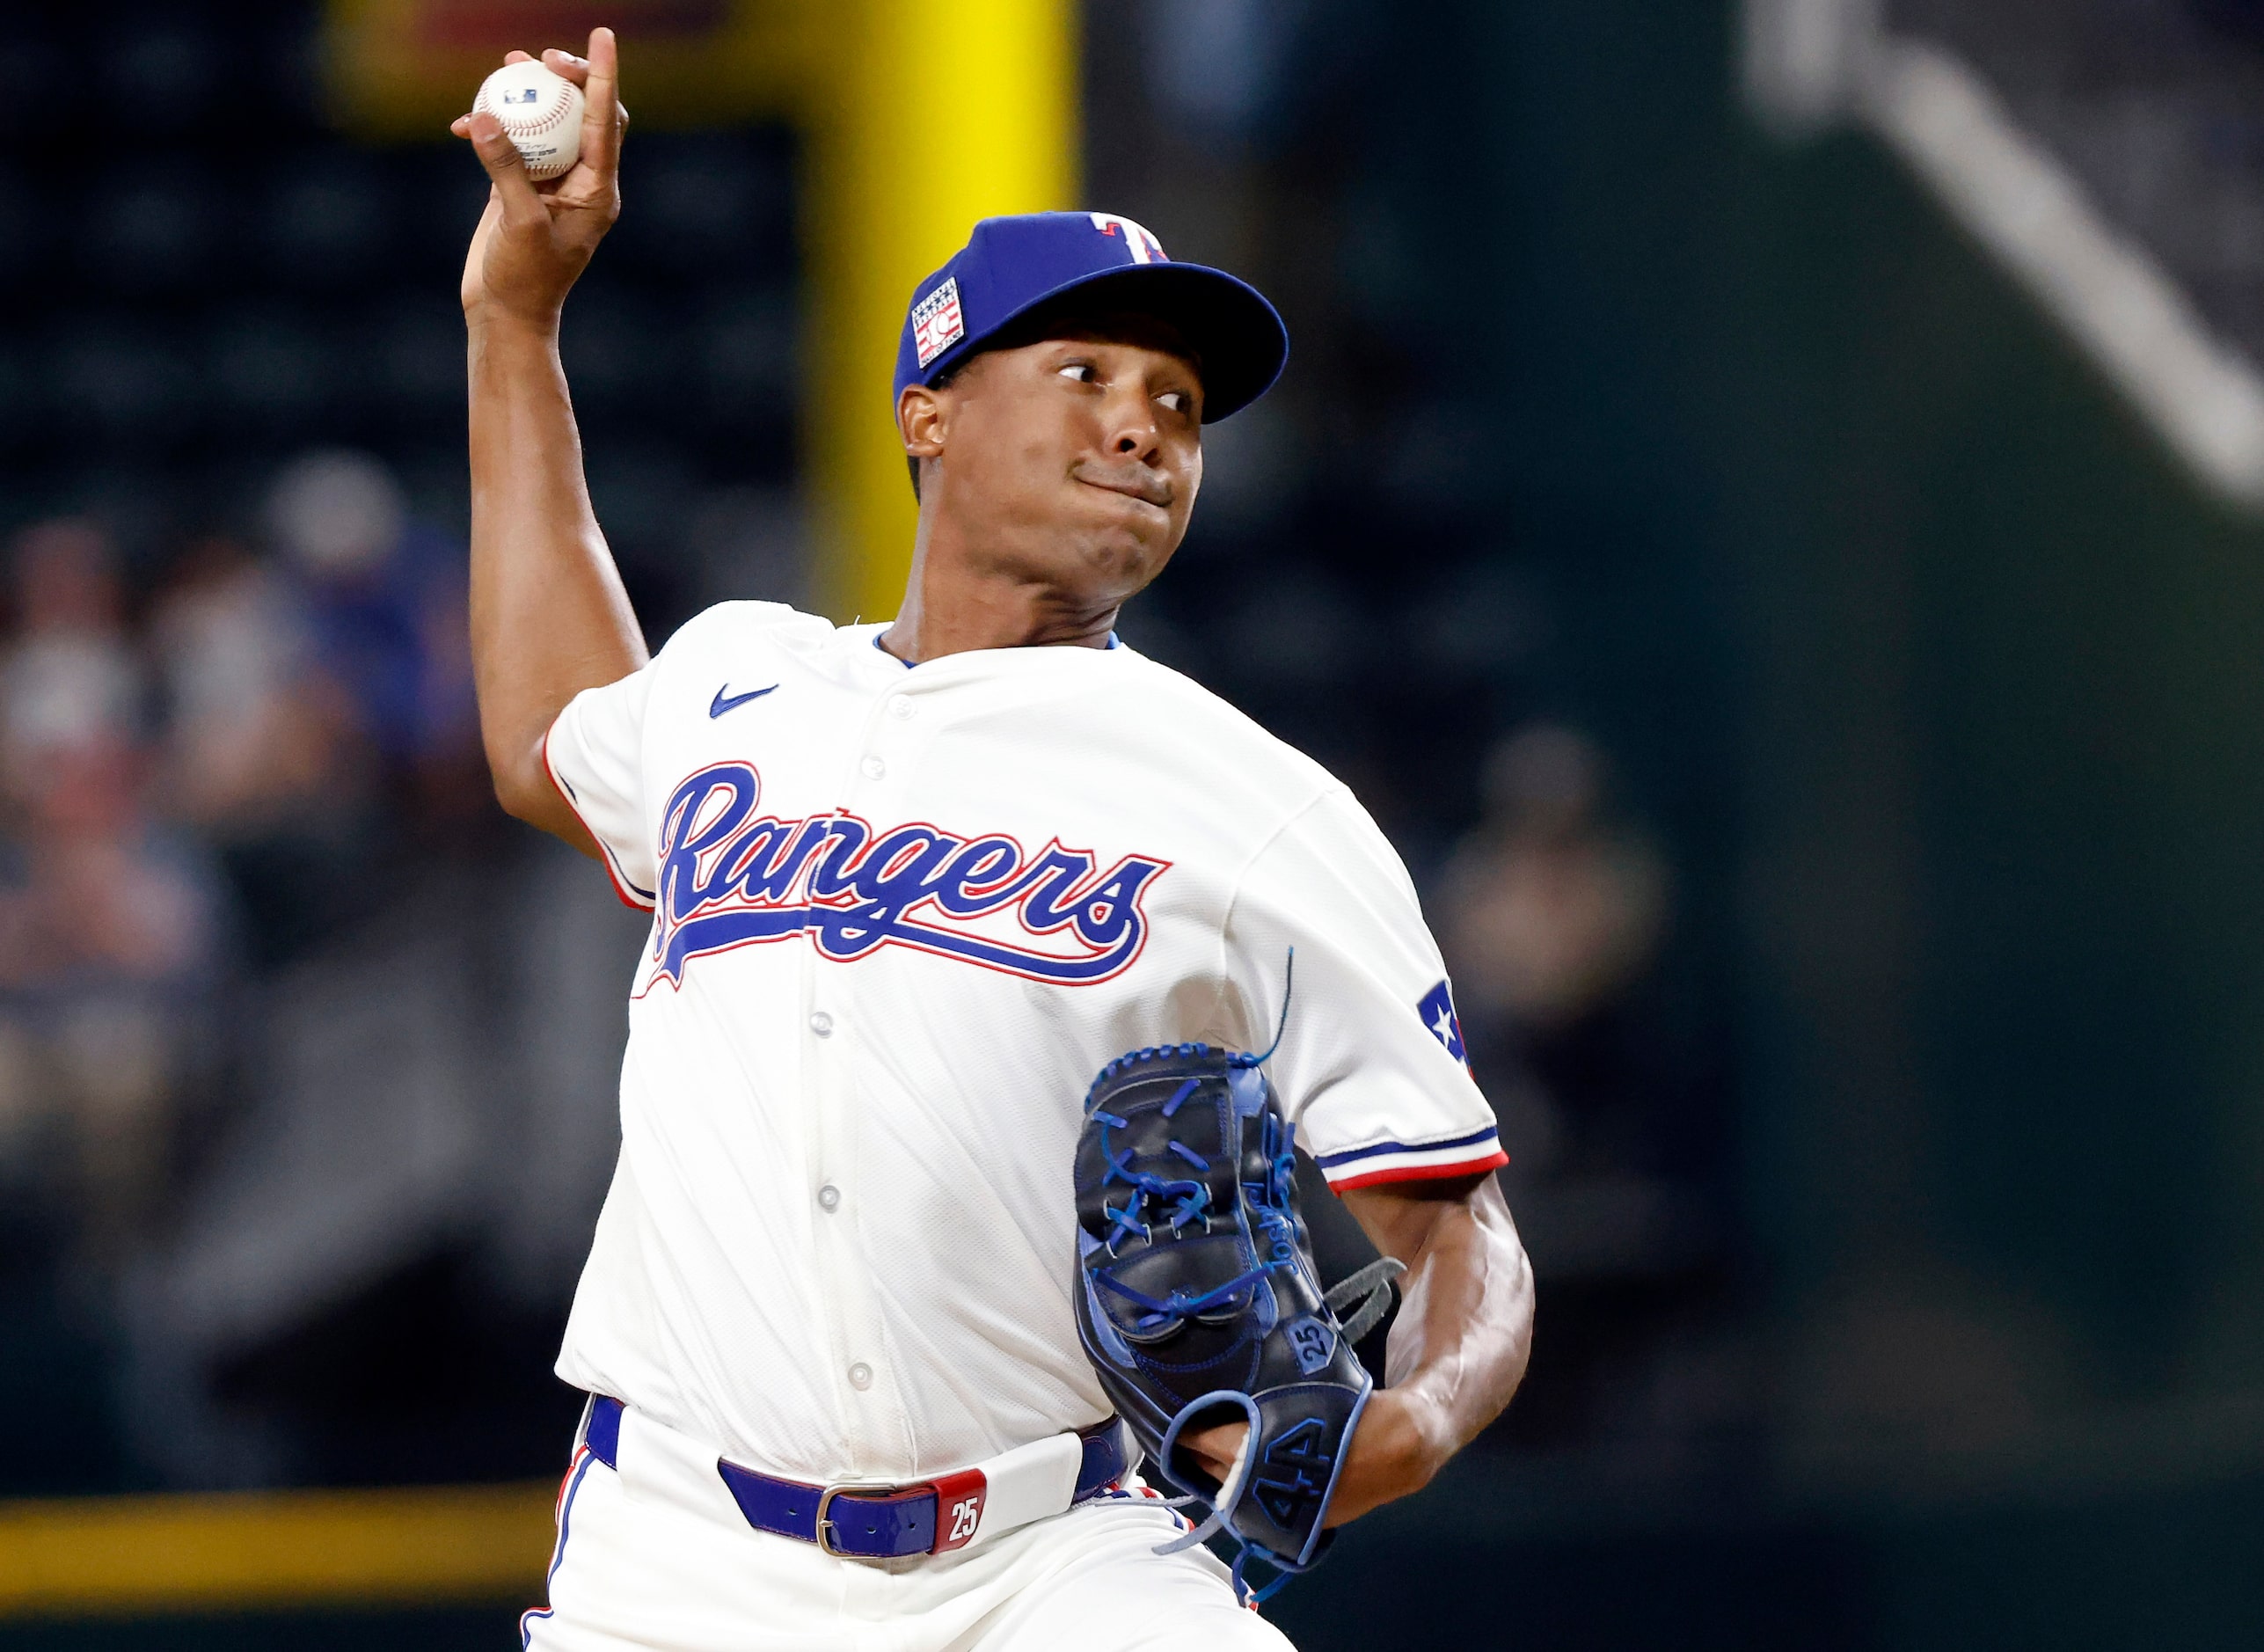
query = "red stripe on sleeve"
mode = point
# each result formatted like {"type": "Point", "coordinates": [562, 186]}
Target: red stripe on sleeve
{"type": "Point", "coordinates": [1491, 1160]}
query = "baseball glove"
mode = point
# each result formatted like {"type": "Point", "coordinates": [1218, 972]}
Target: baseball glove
{"type": "Point", "coordinates": [1197, 1301]}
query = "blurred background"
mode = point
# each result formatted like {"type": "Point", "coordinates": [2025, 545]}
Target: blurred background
{"type": "Point", "coordinates": [1762, 509]}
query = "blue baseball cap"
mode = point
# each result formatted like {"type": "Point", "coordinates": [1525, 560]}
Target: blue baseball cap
{"type": "Point", "coordinates": [1010, 266]}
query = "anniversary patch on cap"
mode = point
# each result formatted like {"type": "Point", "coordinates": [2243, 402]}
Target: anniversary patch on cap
{"type": "Point", "coordinates": [1012, 265]}
{"type": "Point", "coordinates": [937, 323]}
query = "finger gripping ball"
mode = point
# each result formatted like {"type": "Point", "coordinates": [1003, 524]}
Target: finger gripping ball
{"type": "Point", "coordinates": [540, 112]}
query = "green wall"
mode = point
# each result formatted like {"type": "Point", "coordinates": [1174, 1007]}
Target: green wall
{"type": "Point", "coordinates": [1947, 683]}
{"type": "Point", "coordinates": [2004, 760]}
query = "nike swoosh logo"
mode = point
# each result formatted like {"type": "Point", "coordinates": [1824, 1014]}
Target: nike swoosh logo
{"type": "Point", "coordinates": [719, 705]}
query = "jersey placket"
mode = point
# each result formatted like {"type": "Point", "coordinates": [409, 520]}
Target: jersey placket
{"type": "Point", "coordinates": [876, 1427]}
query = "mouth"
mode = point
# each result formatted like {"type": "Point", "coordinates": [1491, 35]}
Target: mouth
{"type": "Point", "coordinates": [1133, 482]}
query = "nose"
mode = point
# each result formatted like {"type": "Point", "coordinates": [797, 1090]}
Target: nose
{"type": "Point", "coordinates": [1134, 433]}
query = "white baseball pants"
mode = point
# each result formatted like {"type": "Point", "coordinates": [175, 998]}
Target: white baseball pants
{"type": "Point", "coordinates": [655, 1556]}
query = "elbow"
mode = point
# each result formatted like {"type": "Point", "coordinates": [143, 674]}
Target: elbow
{"type": "Point", "coordinates": [1518, 1314]}
{"type": "Point", "coordinates": [519, 800]}
{"type": "Point", "coordinates": [526, 791]}
{"type": "Point", "coordinates": [523, 786]}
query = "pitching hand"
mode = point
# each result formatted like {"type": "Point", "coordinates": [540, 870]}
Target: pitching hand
{"type": "Point", "coordinates": [1390, 1455]}
{"type": "Point", "coordinates": [534, 239]}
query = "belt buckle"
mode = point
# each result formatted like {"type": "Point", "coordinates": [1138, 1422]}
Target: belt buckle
{"type": "Point", "coordinates": [853, 1488]}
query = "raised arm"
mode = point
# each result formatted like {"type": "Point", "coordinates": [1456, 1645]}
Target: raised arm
{"type": "Point", "coordinates": [549, 616]}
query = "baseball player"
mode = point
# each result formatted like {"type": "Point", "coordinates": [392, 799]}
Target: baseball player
{"type": "Point", "coordinates": [912, 885]}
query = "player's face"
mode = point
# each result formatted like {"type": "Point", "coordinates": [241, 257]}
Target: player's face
{"type": "Point", "coordinates": [1074, 460]}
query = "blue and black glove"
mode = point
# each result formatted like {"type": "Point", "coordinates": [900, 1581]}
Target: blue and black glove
{"type": "Point", "coordinates": [1198, 1302]}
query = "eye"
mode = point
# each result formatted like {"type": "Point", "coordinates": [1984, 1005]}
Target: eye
{"type": "Point", "coordinates": [1081, 371]}
{"type": "Point", "coordinates": [1174, 399]}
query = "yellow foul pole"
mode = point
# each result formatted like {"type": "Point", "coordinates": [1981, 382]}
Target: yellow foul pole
{"type": "Point", "coordinates": [918, 119]}
{"type": "Point", "coordinates": [933, 115]}
{"type": "Point", "coordinates": [240, 1551]}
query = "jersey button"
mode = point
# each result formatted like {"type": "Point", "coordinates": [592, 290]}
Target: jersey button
{"type": "Point", "coordinates": [901, 707]}
{"type": "Point", "coordinates": [873, 768]}
{"type": "Point", "coordinates": [829, 1197]}
{"type": "Point", "coordinates": [860, 1375]}
{"type": "Point", "coordinates": [822, 1024]}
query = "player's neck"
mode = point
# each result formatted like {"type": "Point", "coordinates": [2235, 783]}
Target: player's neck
{"type": "Point", "coordinates": [954, 606]}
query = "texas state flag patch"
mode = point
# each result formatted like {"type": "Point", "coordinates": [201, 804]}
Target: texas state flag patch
{"type": "Point", "coordinates": [1437, 1011]}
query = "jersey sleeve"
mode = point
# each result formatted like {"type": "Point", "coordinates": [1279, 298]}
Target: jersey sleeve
{"type": "Point", "coordinates": [595, 753]}
{"type": "Point", "coordinates": [1370, 1064]}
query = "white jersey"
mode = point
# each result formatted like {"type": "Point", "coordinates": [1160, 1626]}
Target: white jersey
{"type": "Point", "coordinates": [902, 917]}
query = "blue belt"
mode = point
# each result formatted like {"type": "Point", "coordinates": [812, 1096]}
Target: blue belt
{"type": "Point", "coordinates": [860, 1522]}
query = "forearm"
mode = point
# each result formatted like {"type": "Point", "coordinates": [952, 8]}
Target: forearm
{"type": "Point", "coordinates": [549, 615]}
{"type": "Point", "coordinates": [1458, 1347]}
{"type": "Point", "coordinates": [1465, 1326]}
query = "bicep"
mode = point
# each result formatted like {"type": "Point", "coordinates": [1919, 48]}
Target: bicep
{"type": "Point", "coordinates": [1404, 1219]}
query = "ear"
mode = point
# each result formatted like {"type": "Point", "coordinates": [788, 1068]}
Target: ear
{"type": "Point", "coordinates": [922, 415]}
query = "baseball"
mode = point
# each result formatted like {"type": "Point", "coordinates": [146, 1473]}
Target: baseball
{"type": "Point", "coordinates": [541, 112]}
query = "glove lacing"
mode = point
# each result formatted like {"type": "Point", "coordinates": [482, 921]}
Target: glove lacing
{"type": "Point", "coordinates": [1188, 1201]}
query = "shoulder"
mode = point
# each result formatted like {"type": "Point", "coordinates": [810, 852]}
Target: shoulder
{"type": "Point", "coordinates": [734, 625]}
{"type": "Point", "coordinates": [731, 638]}
{"type": "Point", "coordinates": [1298, 813]}
{"type": "Point", "coordinates": [1166, 728]}
{"type": "Point", "coordinates": [1214, 736]}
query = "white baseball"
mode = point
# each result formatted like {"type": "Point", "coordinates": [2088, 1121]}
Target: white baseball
{"type": "Point", "coordinates": [541, 112]}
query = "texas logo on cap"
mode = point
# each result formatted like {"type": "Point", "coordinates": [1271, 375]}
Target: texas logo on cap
{"type": "Point", "coordinates": [1141, 241]}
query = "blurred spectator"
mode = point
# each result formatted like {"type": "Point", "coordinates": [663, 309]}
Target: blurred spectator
{"type": "Point", "coordinates": [265, 756]}
{"type": "Point", "coordinates": [70, 677]}
{"type": "Point", "coordinates": [258, 732]}
{"type": "Point", "coordinates": [386, 598]}
{"type": "Point", "coordinates": [1553, 914]}
{"type": "Point", "coordinates": [1552, 908]}
{"type": "Point", "coordinates": [1552, 911]}
{"type": "Point", "coordinates": [107, 943]}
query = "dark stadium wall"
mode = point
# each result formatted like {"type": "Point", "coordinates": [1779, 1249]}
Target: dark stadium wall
{"type": "Point", "coordinates": [2003, 732]}
{"type": "Point", "coordinates": [1945, 680]}
{"type": "Point", "coordinates": [2002, 715]}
